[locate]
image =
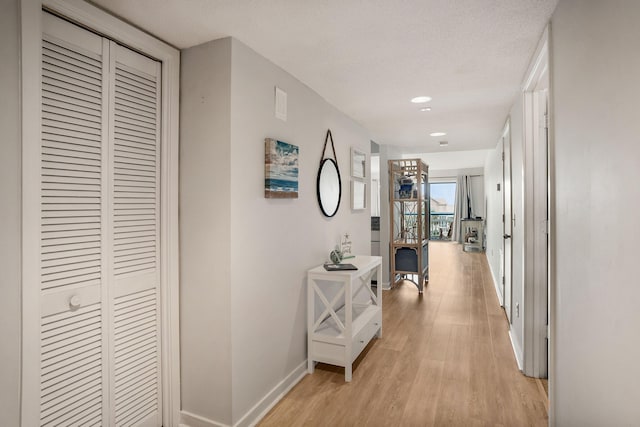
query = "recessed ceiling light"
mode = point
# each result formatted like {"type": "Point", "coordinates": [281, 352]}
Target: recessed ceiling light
{"type": "Point", "coordinates": [438, 134]}
{"type": "Point", "coordinates": [444, 143]}
{"type": "Point", "coordinates": [425, 109]}
{"type": "Point", "coordinates": [421, 99]}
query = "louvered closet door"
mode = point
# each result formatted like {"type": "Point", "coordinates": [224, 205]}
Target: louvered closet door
{"type": "Point", "coordinates": [73, 196]}
{"type": "Point", "coordinates": [100, 360]}
{"type": "Point", "coordinates": [135, 283]}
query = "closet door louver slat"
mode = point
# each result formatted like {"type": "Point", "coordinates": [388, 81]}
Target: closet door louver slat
{"type": "Point", "coordinates": [136, 345]}
{"type": "Point", "coordinates": [71, 368]}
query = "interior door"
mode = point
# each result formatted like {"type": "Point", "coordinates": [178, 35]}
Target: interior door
{"type": "Point", "coordinates": [507, 221]}
{"type": "Point", "coordinates": [99, 234]}
{"type": "Point", "coordinates": [72, 232]}
{"type": "Point", "coordinates": [134, 285]}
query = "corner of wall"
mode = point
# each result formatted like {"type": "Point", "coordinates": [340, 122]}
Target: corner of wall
{"type": "Point", "coordinates": [494, 276]}
{"type": "Point", "coordinates": [517, 349]}
{"type": "Point", "coordinates": [205, 314]}
{"type": "Point", "coordinates": [264, 405]}
{"type": "Point", "coordinates": [232, 237]}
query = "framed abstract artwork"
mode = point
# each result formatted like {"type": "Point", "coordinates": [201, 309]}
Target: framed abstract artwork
{"type": "Point", "coordinates": [280, 169]}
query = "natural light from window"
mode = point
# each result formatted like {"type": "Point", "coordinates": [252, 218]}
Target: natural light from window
{"type": "Point", "coordinates": [443, 198]}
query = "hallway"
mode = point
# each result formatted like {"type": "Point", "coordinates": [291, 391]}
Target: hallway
{"type": "Point", "coordinates": [443, 360]}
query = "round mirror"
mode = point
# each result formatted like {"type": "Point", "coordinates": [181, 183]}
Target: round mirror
{"type": "Point", "coordinates": [329, 187]}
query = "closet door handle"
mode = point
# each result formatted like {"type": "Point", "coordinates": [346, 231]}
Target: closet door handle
{"type": "Point", "coordinates": [75, 302]}
{"type": "Point", "coordinates": [507, 236]}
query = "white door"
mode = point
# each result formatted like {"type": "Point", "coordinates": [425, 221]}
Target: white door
{"type": "Point", "coordinates": [507, 221]}
{"type": "Point", "coordinates": [99, 234]}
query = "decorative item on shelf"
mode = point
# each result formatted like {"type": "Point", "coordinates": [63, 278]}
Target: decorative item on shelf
{"type": "Point", "coordinates": [280, 170]}
{"type": "Point", "coordinates": [406, 187]}
{"type": "Point", "coordinates": [471, 236]}
{"type": "Point", "coordinates": [336, 256]}
{"type": "Point", "coordinates": [473, 230]}
{"type": "Point", "coordinates": [339, 267]}
{"type": "Point", "coordinates": [328, 184]}
{"type": "Point", "coordinates": [345, 245]}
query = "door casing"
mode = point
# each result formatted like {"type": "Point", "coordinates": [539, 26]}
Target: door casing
{"type": "Point", "coordinates": [537, 218]}
{"type": "Point", "coordinates": [507, 221]}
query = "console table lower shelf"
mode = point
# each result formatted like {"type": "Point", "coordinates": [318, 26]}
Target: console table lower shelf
{"type": "Point", "coordinates": [344, 328]}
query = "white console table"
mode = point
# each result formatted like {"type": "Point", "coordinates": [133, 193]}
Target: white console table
{"type": "Point", "coordinates": [343, 329]}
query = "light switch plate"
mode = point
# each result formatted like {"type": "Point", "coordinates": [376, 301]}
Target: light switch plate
{"type": "Point", "coordinates": [281, 104]}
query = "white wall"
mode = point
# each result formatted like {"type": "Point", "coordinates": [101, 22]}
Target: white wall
{"type": "Point", "coordinates": [205, 233]}
{"type": "Point", "coordinates": [386, 153]}
{"type": "Point", "coordinates": [275, 241]}
{"type": "Point", "coordinates": [452, 160]}
{"type": "Point", "coordinates": [446, 174]}
{"type": "Point", "coordinates": [494, 226]}
{"type": "Point", "coordinates": [595, 127]}
{"type": "Point", "coordinates": [493, 219]}
{"type": "Point", "coordinates": [268, 244]}
{"type": "Point", "coordinates": [376, 198]}
{"type": "Point", "coordinates": [10, 215]}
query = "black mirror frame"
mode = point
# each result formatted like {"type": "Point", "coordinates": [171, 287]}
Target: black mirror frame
{"type": "Point", "coordinates": [318, 187]}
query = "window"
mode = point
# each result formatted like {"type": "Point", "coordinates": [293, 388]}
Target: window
{"type": "Point", "coordinates": [443, 197]}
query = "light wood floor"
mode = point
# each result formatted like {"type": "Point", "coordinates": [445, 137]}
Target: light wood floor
{"type": "Point", "coordinates": [444, 359]}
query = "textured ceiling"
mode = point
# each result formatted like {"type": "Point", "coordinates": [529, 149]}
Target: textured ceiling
{"type": "Point", "coordinates": [370, 57]}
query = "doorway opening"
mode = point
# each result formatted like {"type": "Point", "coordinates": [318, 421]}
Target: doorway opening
{"type": "Point", "coordinates": [442, 198]}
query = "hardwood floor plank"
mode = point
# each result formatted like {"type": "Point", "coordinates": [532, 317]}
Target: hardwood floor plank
{"type": "Point", "coordinates": [445, 359]}
{"type": "Point", "coordinates": [423, 396]}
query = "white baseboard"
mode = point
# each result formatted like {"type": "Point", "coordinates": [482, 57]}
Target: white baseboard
{"type": "Point", "coordinates": [516, 350]}
{"type": "Point", "coordinates": [495, 283]}
{"type": "Point", "coordinates": [260, 409]}
{"type": "Point", "coordinates": [187, 419]}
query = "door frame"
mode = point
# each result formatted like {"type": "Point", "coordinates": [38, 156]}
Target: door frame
{"type": "Point", "coordinates": [537, 219]}
{"type": "Point", "coordinates": [507, 276]}
{"type": "Point", "coordinates": [103, 23]}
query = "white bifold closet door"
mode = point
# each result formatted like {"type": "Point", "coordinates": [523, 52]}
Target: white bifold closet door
{"type": "Point", "coordinates": [100, 284]}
